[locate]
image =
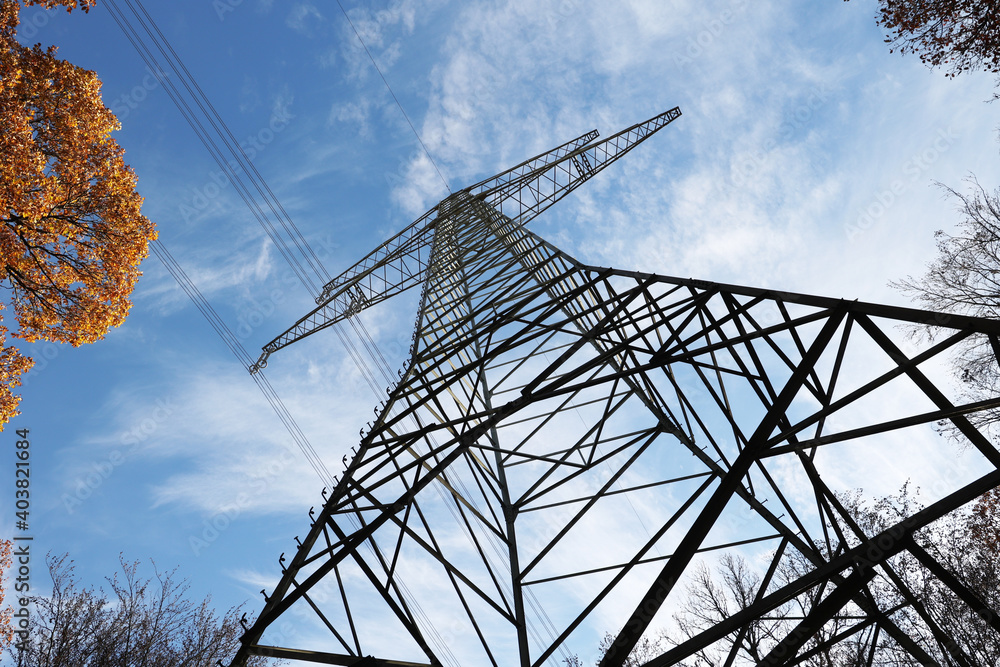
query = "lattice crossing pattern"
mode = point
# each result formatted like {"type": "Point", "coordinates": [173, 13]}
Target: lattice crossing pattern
{"type": "Point", "coordinates": [565, 442]}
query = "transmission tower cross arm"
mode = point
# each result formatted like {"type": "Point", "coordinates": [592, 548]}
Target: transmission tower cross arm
{"type": "Point", "coordinates": [521, 199]}
{"type": "Point", "coordinates": [399, 263]}
{"type": "Point", "coordinates": [532, 164]}
{"type": "Point", "coordinates": [519, 193]}
{"type": "Point", "coordinates": [408, 244]}
{"type": "Point", "coordinates": [393, 267]}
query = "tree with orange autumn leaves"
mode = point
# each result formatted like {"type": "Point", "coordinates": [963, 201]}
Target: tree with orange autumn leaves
{"type": "Point", "coordinates": [71, 231]}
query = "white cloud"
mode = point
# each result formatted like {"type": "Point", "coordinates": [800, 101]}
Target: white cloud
{"type": "Point", "coordinates": [249, 96]}
{"type": "Point", "coordinates": [303, 17]}
{"type": "Point", "coordinates": [790, 132]}
{"type": "Point", "coordinates": [213, 270]}
{"type": "Point", "coordinates": [380, 33]}
{"type": "Point", "coordinates": [355, 113]}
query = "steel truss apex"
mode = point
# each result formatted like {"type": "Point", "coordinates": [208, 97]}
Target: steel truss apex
{"type": "Point", "coordinates": [521, 192]}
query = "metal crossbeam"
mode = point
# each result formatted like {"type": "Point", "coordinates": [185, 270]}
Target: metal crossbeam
{"type": "Point", "coordinates": [567, 441]}
{"type": "Point", "coordinates": [523, 191]}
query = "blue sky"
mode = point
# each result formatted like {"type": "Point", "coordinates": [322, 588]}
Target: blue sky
{"type": "Point", "coordinates": [805, 161]}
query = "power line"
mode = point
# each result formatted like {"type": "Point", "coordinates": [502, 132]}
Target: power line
{"type": "Point", "coordinates": [290, 243]}
{"type": "Point", "coordinates": [395, 99]}
{"type": "Point", "coordinates": [315, 264]}
{"type": "Point", "coordinates": [298, 243]}
{"type": "Point", "coordinates": [241, 354]}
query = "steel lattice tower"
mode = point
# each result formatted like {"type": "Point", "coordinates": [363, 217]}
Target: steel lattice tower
{"type": "Point", "coordinates": [546, 402]}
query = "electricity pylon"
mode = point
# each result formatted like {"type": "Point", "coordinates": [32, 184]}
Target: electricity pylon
{"type": "Point", "coordinates": [566, 441]}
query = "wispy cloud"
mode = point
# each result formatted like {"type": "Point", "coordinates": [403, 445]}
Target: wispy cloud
{"type": "Point", "coordinates": [303, 17]}
{"type": "Point", "coordinates": [212, 270]}
{"type": "Point", "coordinates": [795, 126]}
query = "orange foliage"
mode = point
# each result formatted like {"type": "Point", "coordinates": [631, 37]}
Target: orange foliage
{"type": "Point", "coordinates": [9, 11]}
{"type": "Point", "coordinates": [13, 364]}
{"type": "Point", "coordinates": [71, 231]}
{"type": "Point", "coordinates": [70, 5]}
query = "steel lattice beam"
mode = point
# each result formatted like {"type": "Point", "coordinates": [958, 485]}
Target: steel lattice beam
{"type": "Point", "coordinates": [523, 191]}
{"type": "Point", "coordinates": [543, 397]}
